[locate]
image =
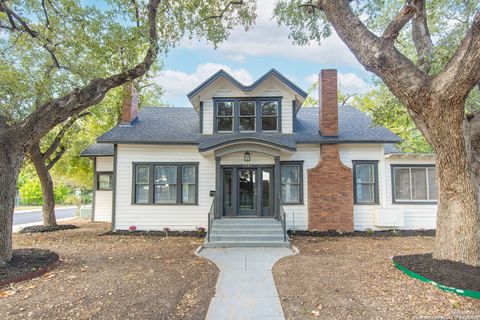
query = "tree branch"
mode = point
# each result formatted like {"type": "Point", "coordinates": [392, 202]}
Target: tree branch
{"type": "Point", "coordinates": [57, 157]}
{"type": "Point", "coordinates": [47, 116]}
{"type": "Point", "coordinates": [221, 14]}
{"type": "Point", "coordinates": [421, 36]}
{"type": "Point", "coordinates": [11, 15]}
{"type": "Point", "coordinates": [58, 139]}
{"type": "Point", "coordinates": [47, 21]}
{"type": "Point", "coordinates": [463, 69]}
{"type": "Point", "coordinates": [393, 29]}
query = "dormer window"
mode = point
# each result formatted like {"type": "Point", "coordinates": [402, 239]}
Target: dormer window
{"type": "Point", "coordinates": [247, 116]}
{"type": "Point", "coordinates": [225, 116]}
{"type": "Point", "coordinates": [269, 115]}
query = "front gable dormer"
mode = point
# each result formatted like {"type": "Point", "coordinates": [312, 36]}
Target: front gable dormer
{"type": "Point", "coordinates": [227, 106]}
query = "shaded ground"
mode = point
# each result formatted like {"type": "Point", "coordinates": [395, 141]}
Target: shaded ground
{"type": "Point", "coordinates": [449, 273]}
{"type": "Point", "coordinates": [352, 278]}
{"type": "Point", "coordinates": [26, 261]}
{"type": "Point", "coordinates": [41, 228]}
{"type": "Point", "coordinates": [113, 277]}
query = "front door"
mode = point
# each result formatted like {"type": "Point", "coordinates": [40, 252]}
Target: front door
{"type": "Point", "coordinates": [247, 191]}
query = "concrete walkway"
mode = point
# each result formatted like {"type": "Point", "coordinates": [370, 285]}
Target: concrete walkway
{"type": "Point", "coordinates": [245, 287]}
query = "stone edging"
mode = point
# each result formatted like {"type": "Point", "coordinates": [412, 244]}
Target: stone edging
{"type": "Point", "coordinates": [461, 292]}
{"type": "Point", "coordinates": [31, 275]}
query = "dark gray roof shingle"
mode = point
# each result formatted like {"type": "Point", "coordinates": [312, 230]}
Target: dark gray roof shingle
{"type": "Point", "coordinates": [98, 150]}
{"type": "Point", "coordinates": [174, 125]}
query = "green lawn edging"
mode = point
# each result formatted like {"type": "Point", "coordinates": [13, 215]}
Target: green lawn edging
{"type": "Point", "coordinates": [461, 292]}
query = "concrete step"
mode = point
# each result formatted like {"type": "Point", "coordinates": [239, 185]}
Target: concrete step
{"type": "Point", "coordinates": [246, 227]}
{"type": "Point", "coordinates": [246, 237]}
{"type": "Point", "coordinates": [232, 244]}
{"type": "Point", "coordinates": [256, 221]}
{"type": "Point", "coordinates": [246, 231]}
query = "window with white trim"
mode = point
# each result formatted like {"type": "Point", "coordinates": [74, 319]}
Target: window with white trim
{"type": "Point", "coordinates": [414, 184]}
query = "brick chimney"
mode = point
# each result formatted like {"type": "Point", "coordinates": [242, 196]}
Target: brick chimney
{"type": "Point", "coordinates": [328, 102]}
{"type": "Point", "coordinates": [129, 105]}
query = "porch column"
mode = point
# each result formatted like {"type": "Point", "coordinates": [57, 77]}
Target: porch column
{"type": "Point", "coordinates": [277, 187]}
{"type": "Point", "coordinates": [218, 189]}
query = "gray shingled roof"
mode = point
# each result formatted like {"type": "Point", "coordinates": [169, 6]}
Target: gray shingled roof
{"type": "Point", "coordinates": [98, 150]}
{"type": "Point", "coordinates": [173, 125]}
{"type": "Point", "coordinates": [392, 149]}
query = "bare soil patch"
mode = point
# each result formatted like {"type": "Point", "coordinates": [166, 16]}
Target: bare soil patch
{"type": "Point", "coordinates": [453, 274]}
{"type": "Point", "coordinates": [41, 229]}
{"type": "Point", "coordinates": [113, 277]}
{"type": "Point", "coordinates": [26, 261]}
{"type": "Point", "coordinates": [353, 278]}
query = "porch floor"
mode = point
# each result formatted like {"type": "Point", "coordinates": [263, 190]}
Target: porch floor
{"type": "Point", "coordinates": [246, 232]}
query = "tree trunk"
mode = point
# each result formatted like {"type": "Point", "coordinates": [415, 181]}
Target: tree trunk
{"type": "Point", "coordinates": [10, 162]}
{"type": "Point", "coordinates": [48, 208]}
{"type": "Point", "coordinates": [458, 216]}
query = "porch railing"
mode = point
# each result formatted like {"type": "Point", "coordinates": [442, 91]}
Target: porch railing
{"type": "Point", "coordinates": [211, 216]}
{"type": "Point", "coordinates": [282, 216]}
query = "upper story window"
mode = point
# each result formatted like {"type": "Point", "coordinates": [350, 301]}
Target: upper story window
{"type": "Point", "coordinates": [269, 115]}
{"type": "Point", "coordinates": [414, 184]}
{"type": "Point", "coordinates": [225, 116]}
{"type": "Point", "coordinates": [247, 115]}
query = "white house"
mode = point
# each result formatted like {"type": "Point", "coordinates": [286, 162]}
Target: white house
{"type": "Point", "coordinates": [245, 157]}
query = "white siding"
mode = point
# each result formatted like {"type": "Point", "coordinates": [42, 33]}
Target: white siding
{"type": "Point", "coordinates": [297, 215]}
{"type": "Point", "coordinates": [208, 117]}
{"type": "Point", "coordinates": [103, 199]}
{"type": "Point", "coordinates": [156, 217]}
{"type": "Point", "coordinates": [237, 158]}
{"type": "Point", "coordinates": [104, 164]}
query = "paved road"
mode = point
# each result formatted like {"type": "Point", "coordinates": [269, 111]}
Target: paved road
{"type": "Point", "coordinates": [36, 216]}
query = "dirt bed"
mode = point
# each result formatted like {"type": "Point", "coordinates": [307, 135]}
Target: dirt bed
{"type": "Point", "coordinates": [26, 261]}
{"type": "Point", "coordinates": [353, 278]}
{"type": "Point", "coordinates": [449, 273]}
{"type": "Point", "coordinates": [113, 277]}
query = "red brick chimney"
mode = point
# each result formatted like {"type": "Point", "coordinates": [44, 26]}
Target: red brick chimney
{"type": "Point", "coordinates": [328, 102]}
{"type": "Point", "coordinates": [130, 104]}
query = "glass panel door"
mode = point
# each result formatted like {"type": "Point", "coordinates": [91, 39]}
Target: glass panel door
{"type": "Point", "coordinates": [267, 192]}
{"type": "Point", "coordinates": [228, 192]}
{"type": "Point", "coordinates": [246, 192]}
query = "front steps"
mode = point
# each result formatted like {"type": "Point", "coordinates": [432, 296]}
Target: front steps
{"type": "Point", "coordinates": [246, 232]}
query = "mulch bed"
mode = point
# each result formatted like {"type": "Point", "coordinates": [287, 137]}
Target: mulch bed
{"type": "Point", "coordinates": [382, 233]}
{"type": "Point", "coordinates": [449, 273]}
{"type": "Point", "coordinates": [155, 233]}
{"type": "Point", "coordinates": [42, 229]}
{"type": "Point", "coordinates": [26, 262]}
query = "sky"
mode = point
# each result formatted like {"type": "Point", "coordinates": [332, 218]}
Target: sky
{"type": "Point", "coordinates": [248, 55]}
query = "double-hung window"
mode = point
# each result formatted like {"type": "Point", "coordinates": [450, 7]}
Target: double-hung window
{"type": "Point", "coordinates": [365, 176]}
{"type": "Point", "coordinates": [414, 184]}
{"type": "Point", "coordinates": [291, 182]}
{"type": "Point", "coordinates": [165, 183]}
{"type": "Point", "coordinates": [247, 116]}
{"type": "Point", "coordinates": [225, 116]}
{"type": "Point", "coordinates": [269, 115]}
{"type": "Point", "coordinates": [104, 181]}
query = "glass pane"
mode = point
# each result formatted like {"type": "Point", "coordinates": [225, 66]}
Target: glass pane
{"type": "Point", "coordinates": [365, 193]}
{"type": "Point", "coordinates": [402, 183]}
{"type": "Point", "coordinates": [141, 193]}
{"type": "Point", "coordinates": [269, 123]}
{"type": "Point", "coordinates": [247, 108]}
{"type": "Point", "coordinates": [188, 174]}
{"type": "Point", "coordinates": [419, 184]}
{"type": "Point", "coordinates": [227, 182]}
{"type": "Point", "coordinates": [224, 124]}
{"type": "Point", "coordinates": [269, 108]}
{"type": "Point", "coordinates": [290, 174]}
{"type": "Point", "coordinates": [247, 124]}
{"type": "Point", "coordinates": [364, 173]}
{"type": "Point", "coordinates": [290, 193]}
{"type": "Point", "coordinates": [225, 108]}
{"type": "Point", "coordinates": [266, 188]}
{"type": "Point", "coordinates": [166, 193]}
{"type": "Point", "coordinates": [104, 181]}
{"type": "Point", "coordinates": [246, 187]}
{"type": "Point", "coordinates": [165, 175]}
{"type": "Point", "coordinates": [432, 184]}
{"type": "Point", "coordinates": [142, 174]}
{"type": "Point", "coordinates": [188, 193]}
